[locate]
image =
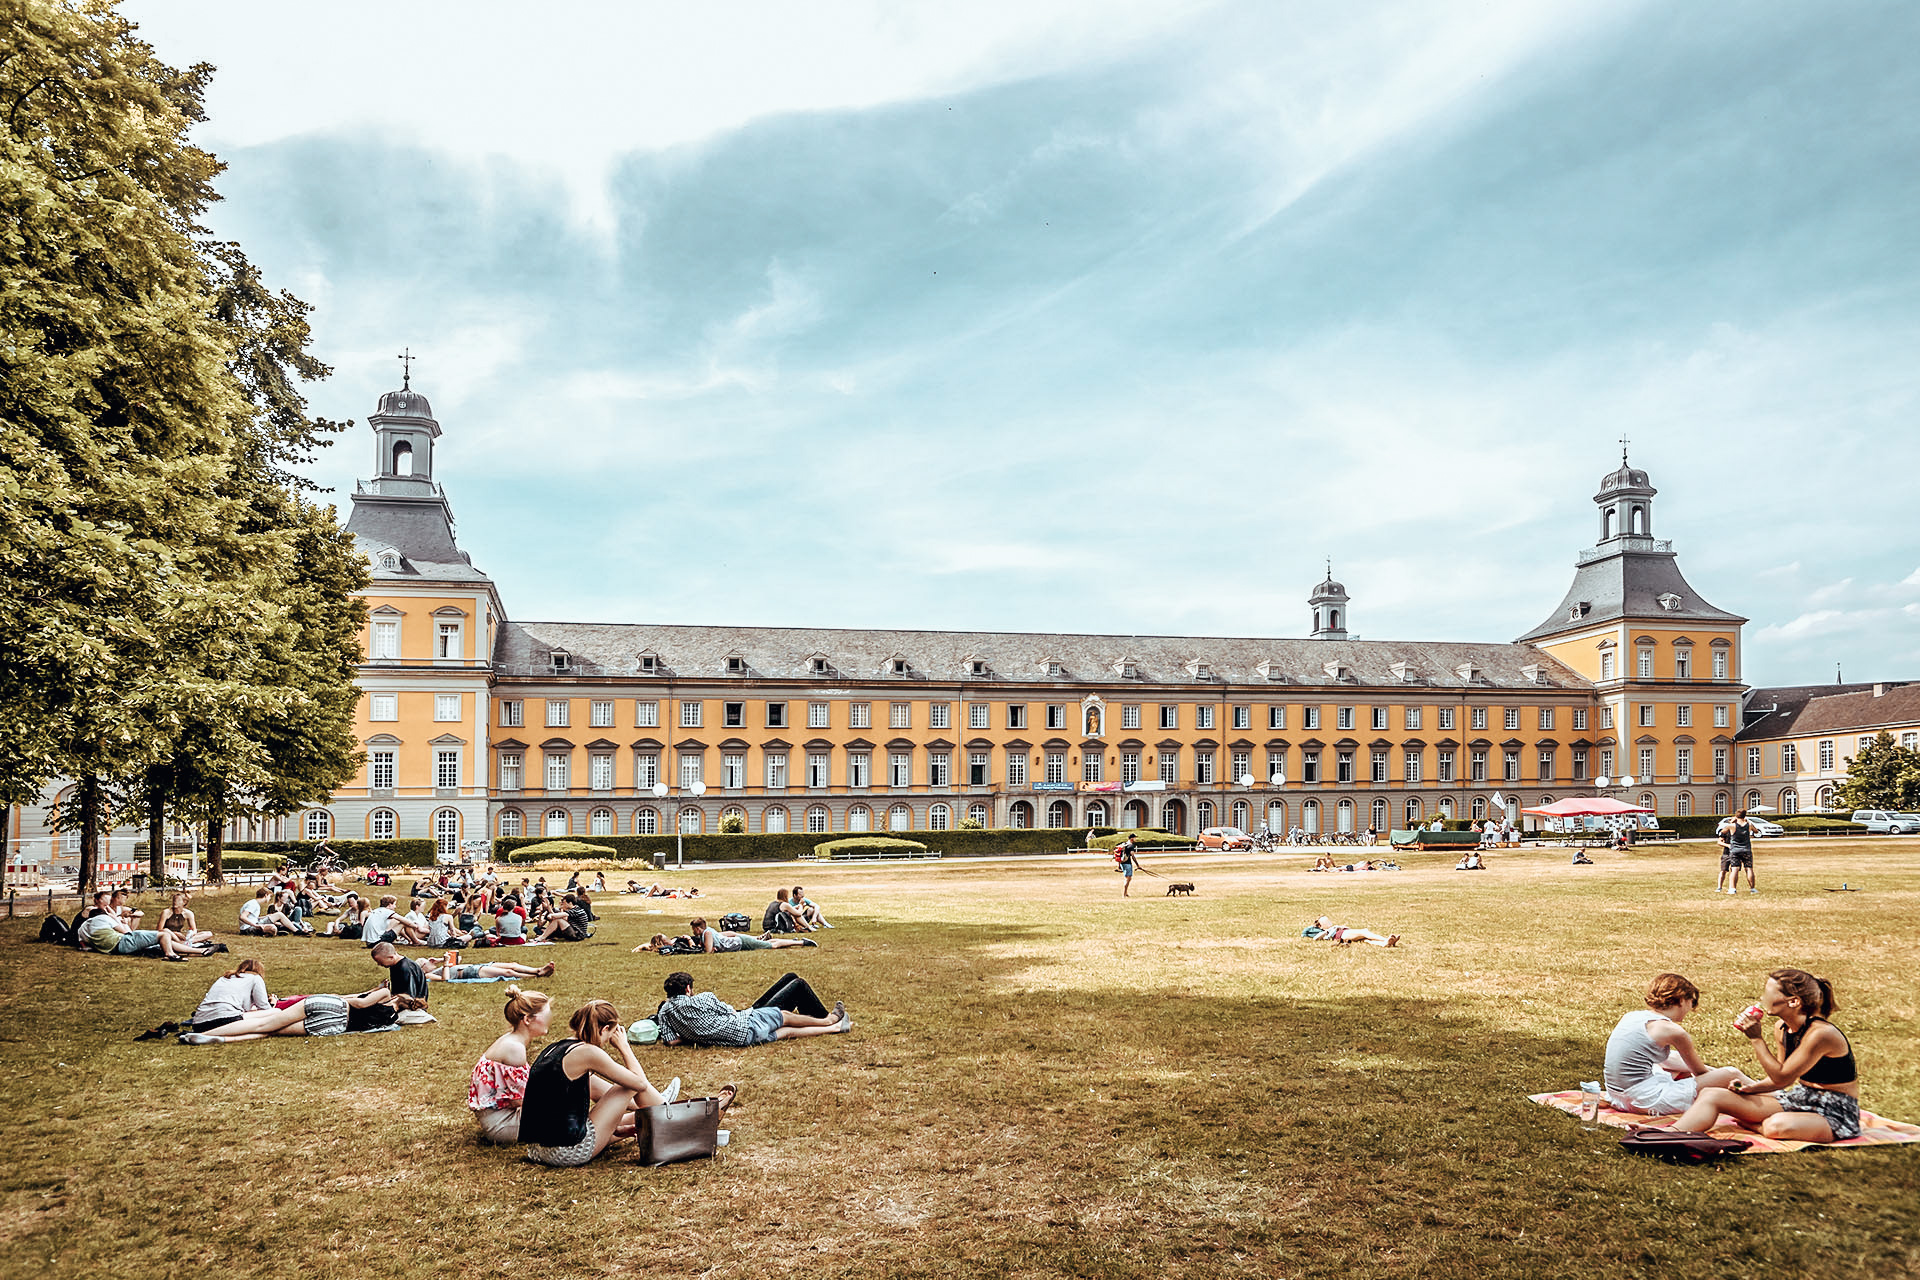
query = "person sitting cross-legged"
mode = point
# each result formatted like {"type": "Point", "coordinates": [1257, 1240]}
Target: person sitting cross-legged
{"type": "Point", "coordinates": [705, 1019]}
{"type": "Point", "coordinates": [569, 925]}
{"type": "Point", "coordinates": [259, 917]}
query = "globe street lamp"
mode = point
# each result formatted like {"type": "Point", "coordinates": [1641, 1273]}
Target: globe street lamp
{"type": "Point", "coordinates": [679, 824]}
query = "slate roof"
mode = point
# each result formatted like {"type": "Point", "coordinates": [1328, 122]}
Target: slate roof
{"type": "Point", "coordinates": [786, 653]}
{"type": "Point", "coordinates": [1829, 708]}
{"type": "Point", "coordinates": [1628, 583]}
{"type": "Point", "coordinates": [420, 529]}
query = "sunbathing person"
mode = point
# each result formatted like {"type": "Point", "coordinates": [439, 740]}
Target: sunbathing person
{"type": "Point", "coordinates": [1346, 935]}
{"type": "Point", "coordinates": [498, 1084]}
{"type": "Point", "coordinates": [1813, 1074]}
{"type": "Point", "coordinates": [712, 940]}
{"type": "Point", "coordinates": [317, 1015]}
{"type": "Point", "coordinates": [1324, 862]}
{"type": "Point", "coordinates": [1653, 1068]}
{"type": "Point", "coordinates": [436, 970]}
{"type": "Point", "coordinates": [234, 995]}
{"type": "Point", "coordinates": [707, 1020]}
{"type": "Point", "coordinates": [107, 933]}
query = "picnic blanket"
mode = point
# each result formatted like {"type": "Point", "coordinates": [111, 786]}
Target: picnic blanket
{"type": "Point", "coordinates": [1875, 1131]}
{"type": "Point", "coordinates": [499, 977]}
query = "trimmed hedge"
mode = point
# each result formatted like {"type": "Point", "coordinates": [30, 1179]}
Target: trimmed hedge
{"type": "Point", "coordinates": [561, 850]}
{"type": "Point", "coordinates": [794, 846]}
{"type": "Point", "coordinates": [1145, 838]}
{"type": "Point", "coordinates": [388, 853]}
{"type": "Point", "coordinates": [881, 845]}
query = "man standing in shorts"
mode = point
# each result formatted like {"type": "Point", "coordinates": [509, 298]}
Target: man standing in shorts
{"type": "Point", "coordinates": [1123, 854]}
{"type": "Point", "coordinates": [1736, 851]}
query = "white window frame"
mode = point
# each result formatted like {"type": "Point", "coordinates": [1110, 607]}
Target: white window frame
{"type": "Point", "coordinates": [900, 715]}
{"type": "Point", "coordinates": [646, 714]}
{"type": "Point", "coordinates": [600, 713]}
{"type": "Point", "coordinates": [1130, 716]}
{"type": "Point", "coordinates": [446, 708]}
{"type": "Point", "coordinates": [776, 771]}
{"type": "Point", "coordinates": [447, 641]}
{"type": "Point", "coordinates": [692, 712]}
{"type": "Point", "coordinates": [559, 713]}
{"type": "Point", "coordinates": [1276, 716]}
{"type": "Point", "coordinates": [446, 768]}
{"type": "Point", "coordinates": [513, 713]}
{"type": "Point", "coordinates": [859, 715]}
{"type": "Point", "coordinates": [819, 715]}
{"type": "Point", "coordinates": [559, 771]}
{"type": "Point", "coordinates": [940, 715]}
{"type": "Point", "coordinates": [382, 769]}
{"type": "Point", "coordinates": [600, 772]}
{"type": "Point", "coordinates": [978, 714]}
{"type": "Point", "coordinates": [511, 764]}
{"type": "Point", "coordinates": [1016, 769]}
{"type": "Point", "coordinates": [899, 769]}
{"type": "Point", "coordinates": [384, 642]}
{"type": "Point", "coordinates": [383, 707]}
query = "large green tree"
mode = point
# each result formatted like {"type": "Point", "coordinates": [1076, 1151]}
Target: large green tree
{"type": "Point", "coordinates": [1883, 775]}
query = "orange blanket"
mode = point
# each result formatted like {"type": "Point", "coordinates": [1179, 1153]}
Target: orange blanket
{"type": "Point", "coordinates": [1875, 1130]}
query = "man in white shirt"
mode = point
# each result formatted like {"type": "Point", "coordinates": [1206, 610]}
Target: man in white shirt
{"type": "Point", "coordinates": [384, 924]}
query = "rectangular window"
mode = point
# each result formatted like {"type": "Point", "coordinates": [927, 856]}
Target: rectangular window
{"type": "Point", "coordinates": [559, 772]}
{"type": "Point", "coordinates": [899, 769]}
{"type": "Point", "coordinates": [1646, 764]}
{"type": "Point", "coordinates": [940, 769]}
{"type": "Point", "coordinates": [1203, 716]}
{"type": "Point", "coordinates": [733, 770]}
{"type": "Point", "coordinates": [1276, 762]}
{"type": "Point", "coordinates": [1683, 716]}
{"type": "Point", "coordinates": [1579, 764]}
{"type": "Point", "coordinates": [1446, 766]}
{"type": "Point", "coordinates": [1343, 718]}
{"type": "Point", "coordinates": [1378, 718]}
{"type": "Point", "coordinates": [1309, 766]}
{"type": "Point", "coordinates": [1169, 767]}
{"type": "Point", "coordinates": [1169, 717]}
{"type": "Point", "coordinates": [1056, 767]}
{"type": "Point", "coordinates": [1310, 717]}
{"type": "Point", "coordinates": [1129, 767]}
{"type": "Point", "coordinates": [1203, 768]}
{"type": "Point", "coordinates": [1479, 717]}
{"type": "Point", "coordinates": [1646, 715]}
{"type": "Point", "coordinates": [690, 713]}
{"type": "Point", "coordinates": [693, 768]}
{"type": "Point", "coordinates": [1826, 753]}
{"type": "Point", "coordinates": [1378, 766]}
{"type": "Point", "coordinates": [1477, 765]}
{"type": "Point", "coordinates": [977, 715]}
{"type": "Point", "coordinates": [1910, 741]}
{"type": "Point", "coordinates": [1606, 717]}
{"type": "Point", "coordinates": [978, 770]}
{"type": "Point", "coordinates": [1546, 766]}
{"type": "Point", "coordinates": [380, 770]}
{"type": "Point", "coordinates": [1090, 767]}
{"type": "Point", "coordinates": [1721, 715]}
{"type": "Point", "coordinates": [1130, 716]}
{"type": "Point", "coordinates": [1343, 766]}
{"type": "Point", "coordinates": [1606, 762]}
{"type": "Point", "coordinates": [386, 640]}
{"type": "Point", "coordinates": [900, 715]}
{"type": "Point", "coordinates": [776, 715]}
{"type": "Point", "coordinates": [559, 713]}
{"type": "Point", "coordinates": [447, 640]}
{"type": "Point", "coordinates": [1719, 764]}
{"type": "Point", "coordinates": [940, 715]}
{"type": "Point", "coordinates": [1056, 717]}
{"type": "Point", "coordinates": [510, 770]}
{"type": "Point", "coordinates": [1546, 719]}
{"type": "Point", "coordinates": [1016, 769]}
{"type": "Point", "coordinates": [1682, 664]}
{"type": "Point", "coordinates": [383, 706]}
{"type": "Point", "coordinates": [1580, 719]}
{"type": "Point", "coordinates": [818, 716]}
{"type": "Point", "coordinates": [818, 770]}
{"type": "Point", "coordinates": [1683, 763]}
{"type": "Point", "coordinates": [733, 715]}
{"type": "Point", "coordinates": [1410, 766]}
{"type": "Point", "coordinates": [1413, 717]}
{"type": "Point", "coordinates": [1753, 762]}
{"type": "Point", "coordinates": [1510, 766]}
{"type": "Point", "coordinates": [1511, 718]}
{"type": "Point", "coordinates": [600, 713]}
{"type": "Point", "coordinates": [859, 769]}
{"type": "Point", "coordinates": [776, 771]}
{"type": "Point", "coordinates": [1643, 664]}
{"type": "Point", "coordinates": [1243, 717]}
{"type": "Point", "coordinates": [646, 772]}
{"type": "Point", "coordinates": [1242, 765]}
{"type": "Point", "coordinates": [1719, 664]}
{"type": "Point", "coordinates": [1606, 664]}
{"type": "Point", "coordinates": [646, 715]}
{"type": "Point", "coordinates": [1276, 717]}
{"type": "Point", "coordinates": [600, 772]}
{"type": "Point", "coordinates": [513, 714]}
{"type": "Point", "coordinates": [446, 706]}
{"type": "Point", "coordinates": [1446, 718]}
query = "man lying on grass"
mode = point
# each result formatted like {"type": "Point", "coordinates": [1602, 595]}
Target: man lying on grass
{"type": "Point", "coordinates": [706, 1019]}
{"type": "Point", "coordinates": [106, 932]}
{"type": "Point", "coordinates": [1346, 935]}
{"type": "Point", "coordinates": [712, 940]}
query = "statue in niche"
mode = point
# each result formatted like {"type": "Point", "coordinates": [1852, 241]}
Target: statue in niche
{"type": "Point", "coordinates": [1093, 722]}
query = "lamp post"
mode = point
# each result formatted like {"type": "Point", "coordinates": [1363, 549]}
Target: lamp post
{"type": "Point", "coordinates": [660, 791]}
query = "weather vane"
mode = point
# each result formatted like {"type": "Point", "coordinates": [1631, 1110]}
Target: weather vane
{"type": "Point", "coordinates": [406, 368]}
{"type": "Point", "coordinates": [1623, 451]}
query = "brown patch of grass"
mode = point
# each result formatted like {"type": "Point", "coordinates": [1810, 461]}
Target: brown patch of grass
{"type": "Point", "coordinates": [1044, 1080]}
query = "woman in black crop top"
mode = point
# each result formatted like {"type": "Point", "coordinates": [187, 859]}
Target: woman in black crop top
{"type": "Point", "coordinates": [568, 1116]}
{"type": "Point", "coordinates": [1811, 1092]}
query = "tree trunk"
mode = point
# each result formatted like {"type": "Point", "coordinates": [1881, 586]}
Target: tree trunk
{"type": "Point", "coordinates": [156, 824]}
{"type": "Point", "coordinates": [216, 837]}
{"type": "Point", "coordinates": [89, 833]}
{"type": "Point", "coordinates": [6, 841]}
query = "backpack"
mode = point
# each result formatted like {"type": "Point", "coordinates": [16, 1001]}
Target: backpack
{"type": "Point", "coordinates": [74, 936]}
{"type": "Point", "coordinates": [734, 922]}
{"type": "Point", "coordinates": [1677, 1144]}
{"type": "Point", "coordinates": [55, 930]}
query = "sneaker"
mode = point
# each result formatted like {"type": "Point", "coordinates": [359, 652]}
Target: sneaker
{"type": "Point", "coordinates": [195, 1037]}
{"type": "Point", "coordinates": [672, 1092]}
{"type": "Point", "coordinates": [1751, 891]}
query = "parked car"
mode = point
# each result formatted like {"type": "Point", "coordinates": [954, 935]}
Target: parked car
{"type": "Point", "coordinates": [1228, 838]}
{"type": "Point", "coordinates": [1885, 822]}
{"type": "Point", "coordinates": [1760, 826]}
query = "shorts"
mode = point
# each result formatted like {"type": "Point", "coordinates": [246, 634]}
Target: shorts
{"type": "Point", "coordinates": [563, 1157]}
{"type": "Point", "coordinates": [749, 943]}
{"type": "Point", "coordinates": [326, 1016]}
{"type": "Point", "coordinates": [499, 1125]}
{"type": "Point", "coordinates": [465, 971]}
{"type": "Point", "coordinates": [389, 936]}
{"type": "Point", "coordinates": [764, 1024]}
{"type": "Point", "coordinates": [1841, 1111]}
{"type": "Point", "coordinates": [1736, 858]}
{"type": "Point", "coordinates": [137, 941]}
{"type": "Point", "coordinates": [1656, 1095]}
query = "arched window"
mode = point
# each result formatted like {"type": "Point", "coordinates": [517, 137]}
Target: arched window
{"type": "Point", "coordinates": [402, 459]}
{"type": "Point", "coordinates": [319, 824]}
{"type": "Point", "coordinates": [646, 822]}
{"type": "Point", "coordinates": [817, 818]}
{"type": "Point", "coordinates": [859, 818]}
{"type": "Point", "coordinates": [978, 813]}
{"type": "Point", "coordinates": [1379, 819]}
{"type": "Point", "coordinates": [1720, 803]}
{"type": "Point", "coordinates": [1479, 808]}
{"type": "Point", "coordinates": [1789, 801]}
{"type": "Point", "coordinates": [1824, 800]}
{"type": "Point", "coordinates": [1606, 525]}
{"type": "Point", "coordinates": [1446, 807]}
{"type": "Point", "coordinates": [556, 824]}
{"type": "Point", "coordinates": [1173, 817]}
{"type": "Point", "coordinates": [446, 835]}
{"type": "Point", "coordinates": [600, 822]}
{"type": "Point", "coordinates": [1059, 814]}
{"type": "Point", "coordinates": [1310, 816]}
{"type": "Point", "coordinates": [1648, 801]}
{"type": "Point", "coordinates": [1097, 814]}
{"type": "Point", "coordinates": [1753, 801]}
{"type": "Point", "coordinates": [1343, 814]}
{"type": "Point", "coordinates": [1135, 814]}
{"type": "Point", "coordinates": [1242, 814]}
{"type": "Point", "coordinates": [774, 820]}
{"type": "Point", "coordinates": [1203, 814]}
{"type": "Point", "coordinates": [1639, 519]}
{"type": "Point", "coordinates": [1683, 804]}
{"type": "Point", "coordinates": [382, 825]}
{"type": "Point", "coordinates": [939, 817]}
{"type": "Point", "coordinates": [692, 820]}
{"type": "Point", "coordinates": [1414, 813]}
{"type": "Point", "coordinates": [1020, 814]}
{"type": "Point", "coordinates": [899, 818]}
{"type": "Point", "coordinates": [1277, 816]}
{"type": "Point", "coordinates": [511, 823]}
{"type": "Point", "coordinates": [1333, 619]}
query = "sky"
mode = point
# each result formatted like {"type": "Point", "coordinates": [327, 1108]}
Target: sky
{"type": "Point", "coordinates": [1112, 317]}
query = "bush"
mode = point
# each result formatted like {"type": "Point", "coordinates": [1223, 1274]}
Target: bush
{"type": "Point", "coordinates": [793, 846]}
{"type": "Point", "coordinates": [884, 846]}
{"type": "Point", "coordinates": [388, 853]}
{"type": "Point", "coordinates": [732, 824]}
{"type": "Point", "coordinates": [1145, 838]}
{"type": "Point", "coordinates": [972, 824]}
{"type": "Point", "coordinates": [561, 851]}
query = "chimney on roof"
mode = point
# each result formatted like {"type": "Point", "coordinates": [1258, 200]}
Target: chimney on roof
{"type": "Point", "coordinates": [1879, 690]}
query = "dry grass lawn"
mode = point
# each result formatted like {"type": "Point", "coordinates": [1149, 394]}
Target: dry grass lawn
{"type": "Point", "coordinates": [1043, 1080]}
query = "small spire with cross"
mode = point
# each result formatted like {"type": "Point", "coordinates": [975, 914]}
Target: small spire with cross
{"type": "Point", "coordinates": [1623, 451]}
{"type": "Point", "coordinates": [406, 368]}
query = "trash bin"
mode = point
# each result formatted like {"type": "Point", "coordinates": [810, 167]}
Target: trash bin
{"type": "Point", "coordinates": [139, 882]}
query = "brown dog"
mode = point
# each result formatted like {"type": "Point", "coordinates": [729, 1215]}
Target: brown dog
{"type": "Point", "coordinates": [1180, 887]}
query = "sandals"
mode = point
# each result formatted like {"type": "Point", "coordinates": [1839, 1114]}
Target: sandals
{"type": "Point", "coordinates": [728, 1095]}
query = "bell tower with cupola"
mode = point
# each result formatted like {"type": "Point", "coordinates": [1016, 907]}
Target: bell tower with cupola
{"type": "Point", "coordinates": [404, 430]}
{"type": "Point", "coordinates": [1329, 604]}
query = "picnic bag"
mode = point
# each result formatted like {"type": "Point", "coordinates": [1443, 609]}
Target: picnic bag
{"type": "Point", "coordinates": [734, 922]}
{"type": "Point", "coordinates": [676, 1131]}
{"type": "Point", "coordinates": [1678, 1144]}
{"type": "Point", "coordinates": [55, 930]}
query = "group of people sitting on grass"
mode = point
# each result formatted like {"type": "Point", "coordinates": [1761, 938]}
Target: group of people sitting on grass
{"type": "Point", "coordinates": [1808, 1089]}
{"type": "Point", "coordinates": [112, 927]}
{"type": "Point", "coordinates": [444, 921]}
{"type": "Point", "coordinates": [238, 1006]}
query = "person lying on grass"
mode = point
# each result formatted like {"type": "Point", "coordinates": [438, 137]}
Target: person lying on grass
{"type": "Point", "coordinates": [1813, 1074]}
{"type": "Point", "coordinates": [712, 940]}
{"type": "Point", "coordinates": [1653, 1068]}
{"type": "Point", "coordinates": [1346, 935]}
{"type": "Point", "coordinates": [110, 935]}
{"type": "Point", "coordinates": [708, 1020]}
{"type": "Point", "coordinates": [317, 1015]}
{"type": "Point", "coordinates": [235, 994]}
{"type": "Point", "coordinates": [661, 943]}
{"type": "Point", "coordinates": [579, 1098]}
{"type": "Point", "coordinates": [436, 970]}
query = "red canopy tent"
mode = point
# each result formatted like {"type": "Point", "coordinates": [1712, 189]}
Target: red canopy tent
{"type": "Point", "coordinates": [1587, 807]}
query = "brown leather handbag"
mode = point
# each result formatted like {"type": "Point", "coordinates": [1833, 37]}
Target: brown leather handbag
{"type": "Point", "coordinates": [674, 1131]}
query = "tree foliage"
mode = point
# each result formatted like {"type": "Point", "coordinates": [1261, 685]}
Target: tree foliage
{"type": "Point", "coordinates": [1884, 775]}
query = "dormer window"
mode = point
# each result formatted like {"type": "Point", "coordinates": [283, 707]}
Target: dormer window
{"type": "Point", "coordinates": [736, 666]}
{"type": "Point", "coordinates": [1199, 670]}
{"type": "Point", "coordinates": [820, 666]}
{"type": "Point", "coordinates": [560, 661]}
{"type": "Point", "coordinates": [1338, 671]}
{"type": "Point", "coordinates": [1403, 672]}
{"type": "Point", "coordinates": [1127, 669]}
{"type": "Point", "coordinates": [649, 664]}
{"type": "Point", "coordinates": [1535, 673]}
{"type": "Point", "coordinates": [389, 560]}
{"type": "Point", "coordinates": [1468, 672]}
{"type": "Point", "coordinates": [977, 667]}
{"type": "Point", "coordinates": [1271, 670]}
{"type": "Point", "coordinates": [902, 667]}
{"type": "Point", "coordinates": [1055, 671]}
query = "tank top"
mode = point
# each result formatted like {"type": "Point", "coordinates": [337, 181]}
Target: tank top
{"type": "Point", "coordinates": [554, 1110]}
{"type": "Point", "coordinates": [1740, 838]}
{"type": "Point", "coordinates": [1824, 1071]}
{"type": "Point", "coordinates": [1632, 1055]}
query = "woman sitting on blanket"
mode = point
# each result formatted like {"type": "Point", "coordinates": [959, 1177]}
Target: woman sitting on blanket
{"type": "Point", "coordinates": [319, 1015]}
{"type": "Point", "coordinates": [234, 995]}
{"type": "Point", "coordinates": [436, 970]}
{"type": "Point", "coordinates": [1653, 1068]}
{"type": "Point", "coordinates": [1813, 1075]}
{"type": "Point", "coordinates": [1346, 935]}
{"type": "Point", "coordinates": [712, 940]}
